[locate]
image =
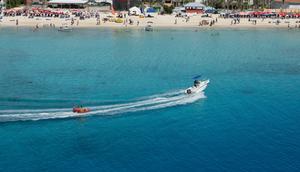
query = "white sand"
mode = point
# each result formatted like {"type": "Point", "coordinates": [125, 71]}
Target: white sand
{"type": "Point", "coordinates": [158, 21]}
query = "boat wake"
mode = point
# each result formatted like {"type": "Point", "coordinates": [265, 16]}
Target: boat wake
{"type": "Point", "coordinates": [147, 103]}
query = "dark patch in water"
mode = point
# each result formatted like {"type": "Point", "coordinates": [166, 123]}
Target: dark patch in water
{"type": "Point", "coordinates": [247, 91]}
{"type": "Point", "coordinates": [79, 70]}
{"type": "Point", "coordinates": [13, 99]}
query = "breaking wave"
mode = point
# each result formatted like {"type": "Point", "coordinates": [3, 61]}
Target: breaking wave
{"type": "Point", "coordinates": [158, 101]}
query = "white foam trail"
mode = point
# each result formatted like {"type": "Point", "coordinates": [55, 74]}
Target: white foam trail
{"type": "Point", "coordinates": [183, 101]}
{"type": "Point", "coordinates": [148, 103]}
{"type": "Point", "coordinates": [34, 110]}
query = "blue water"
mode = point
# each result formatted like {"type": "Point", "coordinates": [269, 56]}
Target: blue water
{"type": "Point", "coordinates": [247, 120]}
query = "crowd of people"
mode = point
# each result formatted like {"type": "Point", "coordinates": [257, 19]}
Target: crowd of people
{"type": "Point", "coordinates": [73, 16]}
{"type": "Point", "coordinates": [48, 12]}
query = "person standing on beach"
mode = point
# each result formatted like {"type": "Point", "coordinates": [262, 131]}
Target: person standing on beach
{"type": "Point", "coordinates": [36, 28]}
{"type": "Point", "coordinates": [17, 22]}
{"type": "Point", "coordinates": [98, 21]}
{"type": "Point", "coordinates": [72, 22]}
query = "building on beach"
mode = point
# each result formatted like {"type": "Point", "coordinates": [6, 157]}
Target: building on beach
{"type": "Point", "coordinates": [179, 3]}
{"type": "Point", "coordinates": [67, 3]}
{"type": "Point", "coordinates": [292, 4]}
{"type": "Point", "coordinates": [2, 4]}
{"type": "Point", "coordinates": [194, 7]}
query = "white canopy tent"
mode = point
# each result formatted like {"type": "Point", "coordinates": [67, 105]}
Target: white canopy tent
{"type": "Point", "coordinates": [294, 6]}
{"type": "Point", "coordinates": [134, 11]}
{"type": "Point", "coordinates": [194, 5]}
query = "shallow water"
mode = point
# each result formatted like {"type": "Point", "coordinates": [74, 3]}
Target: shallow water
{"type": "Point", "coordinates": [246, 120]}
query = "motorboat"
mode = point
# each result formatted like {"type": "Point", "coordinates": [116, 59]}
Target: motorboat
{"type": "Point", "coordinates": [81, 110]}
{"type": "Point", "coordinates": [65, 29]}
{"type": "Point", "coordinates": [197, 87]}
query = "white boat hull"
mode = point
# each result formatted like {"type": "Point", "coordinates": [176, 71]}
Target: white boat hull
{"type": "Point", "coordinates": [196, 89]}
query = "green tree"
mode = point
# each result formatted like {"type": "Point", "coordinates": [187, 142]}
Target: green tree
{"type": "Point", "coordinates": [168, 9]}
{"type": "Point", "coordinates": [13, 3]}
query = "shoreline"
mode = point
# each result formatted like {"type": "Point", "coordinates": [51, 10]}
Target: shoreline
{"type": "Point", "coordinates": [155, 27]}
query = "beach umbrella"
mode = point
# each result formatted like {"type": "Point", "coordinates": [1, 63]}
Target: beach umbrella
{"type": "Point", "coordinates": [282, 14]}
{"type": "Point", "coordinates": [242, 13]}
{"type": "Point", "coordinates": [151, 10]}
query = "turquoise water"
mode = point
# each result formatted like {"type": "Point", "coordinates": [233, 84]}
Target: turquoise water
{"type": "Point", "coordinates": [246, 120]}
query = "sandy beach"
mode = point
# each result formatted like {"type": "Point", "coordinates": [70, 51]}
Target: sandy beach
{"type": "Point", "coordinates": [157, 21]}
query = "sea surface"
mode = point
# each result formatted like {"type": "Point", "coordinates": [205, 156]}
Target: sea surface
{"type": "Point", "coordinates": [247, 120]}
